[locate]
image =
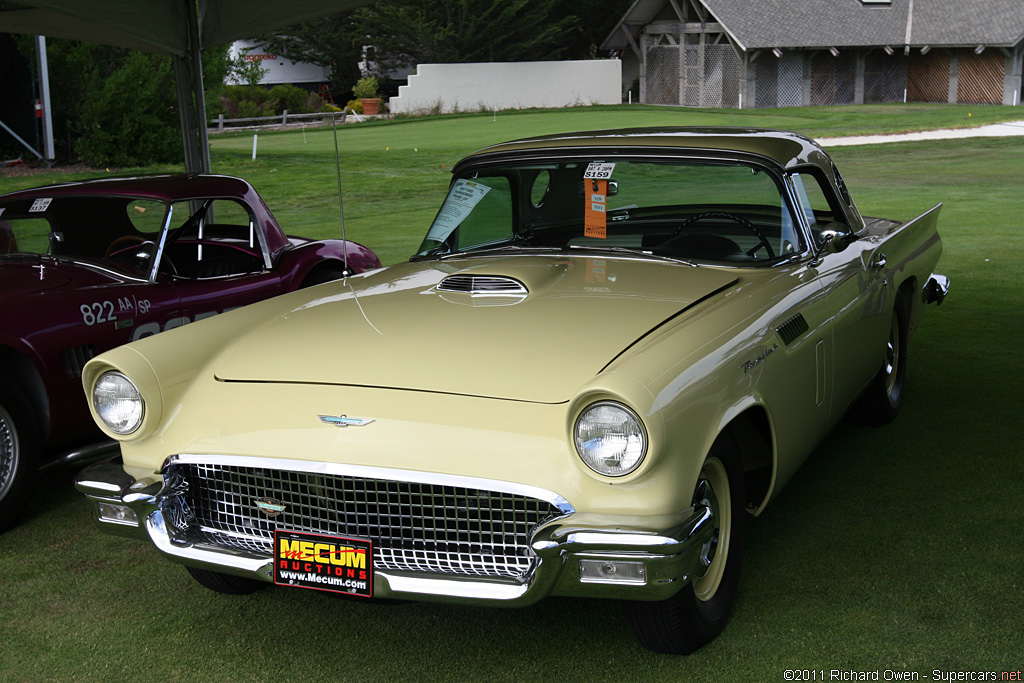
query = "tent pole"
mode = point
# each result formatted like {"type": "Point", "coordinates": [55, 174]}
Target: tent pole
{"type": "Point", "coordinates": [188, 82]}
{"type": "Point", "coordinates": [183, 88]}
{"type": "Point", "coordinates": [44, 99]}
{"type": "Point", "coordinates": [199, 101]}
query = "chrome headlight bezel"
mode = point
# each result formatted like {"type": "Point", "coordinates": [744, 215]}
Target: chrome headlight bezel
{"type": "Point", "coordinates": [116, 388]}
{"type": "Point", "coordinates": [618, 422]}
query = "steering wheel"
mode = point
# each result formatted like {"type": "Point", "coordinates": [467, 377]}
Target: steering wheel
{"type": "Point", "coordinates": [117, 246]}
{"type": "Point", "coordinates": [762, 241]}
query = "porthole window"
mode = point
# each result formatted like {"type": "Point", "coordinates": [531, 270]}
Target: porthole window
{"type": "Point", "coordinates": [539, 189]}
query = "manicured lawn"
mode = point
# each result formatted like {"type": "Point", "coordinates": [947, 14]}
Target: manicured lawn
{"type": "Point", "coordinates": [897, 548]}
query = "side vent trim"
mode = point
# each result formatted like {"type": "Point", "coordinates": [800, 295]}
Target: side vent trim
{"type": "Point", "coordinates": [792, 329]}
{"type": "Point", "coordinates": [75, 358]}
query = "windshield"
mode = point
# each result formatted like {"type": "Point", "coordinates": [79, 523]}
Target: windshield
{"type": "Point", "coordinates": [115, 232]}
{"type": "Point", "coordinates": [693, 210]}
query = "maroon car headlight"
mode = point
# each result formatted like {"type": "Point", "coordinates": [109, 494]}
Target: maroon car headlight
{"type": "Point", "coordinates": [118, 403]}
{"type": "Point", "coordinates": [610, 438]}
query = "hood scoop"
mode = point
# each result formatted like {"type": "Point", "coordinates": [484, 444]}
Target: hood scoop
{"type": "Point", "coordinates": [483, 285]}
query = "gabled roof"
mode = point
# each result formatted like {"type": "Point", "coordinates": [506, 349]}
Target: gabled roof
{"type": "Point", "coordinates": [767, 24]}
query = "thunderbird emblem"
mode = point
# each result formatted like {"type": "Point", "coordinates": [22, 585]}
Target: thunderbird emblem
{"type": "Point", "coordinates": [269, 506]}
{"type": "Point", "coordinates": [345, 420]}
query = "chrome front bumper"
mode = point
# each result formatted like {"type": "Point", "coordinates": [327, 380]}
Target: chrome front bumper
{"type": "Point", "coordinates": [579, 554]}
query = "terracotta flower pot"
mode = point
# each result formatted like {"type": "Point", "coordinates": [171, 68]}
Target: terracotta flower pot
{"type": "Point", "coordinates": [371, 106]}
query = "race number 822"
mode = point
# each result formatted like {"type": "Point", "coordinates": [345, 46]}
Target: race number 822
{"type": "Point", "coordinates": [99, 312]}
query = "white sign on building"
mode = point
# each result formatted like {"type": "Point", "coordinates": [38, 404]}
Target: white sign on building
{"type": "Point", "coordinates": [278, 69]}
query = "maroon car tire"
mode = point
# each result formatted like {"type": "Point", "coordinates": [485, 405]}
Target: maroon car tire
{"type": "Point", "coordinates": [18, 454]}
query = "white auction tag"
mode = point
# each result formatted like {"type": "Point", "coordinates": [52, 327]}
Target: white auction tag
{"type": "Point", "coordinates": [599, 170]}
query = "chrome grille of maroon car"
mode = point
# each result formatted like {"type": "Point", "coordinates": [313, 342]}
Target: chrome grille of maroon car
{"type": "Point", "coordinates": [416, 527]}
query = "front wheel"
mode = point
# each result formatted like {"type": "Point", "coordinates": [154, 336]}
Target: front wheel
{"type": "Point", "coordinates": [698, 612]}
{"type": "Point", "coordinates": [18, 457]}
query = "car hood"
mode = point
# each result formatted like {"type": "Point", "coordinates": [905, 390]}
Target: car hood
{"type": "Point", "coordinates": [402, 328]}
{"type": "Point", "coordinates": [19, 277]}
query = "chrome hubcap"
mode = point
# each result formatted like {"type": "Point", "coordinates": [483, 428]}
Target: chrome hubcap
{"type": "Point", "coordinates": [892, 356]}
{"type": "Point", "coordinates": [8, 452]}
{"type": "Point", "coordinates": [713, 493]}
{"type": "Point", "coordinates": [706, 497]}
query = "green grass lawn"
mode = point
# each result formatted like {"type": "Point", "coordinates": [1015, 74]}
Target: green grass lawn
{"type": "Point", "coordinates": [897, 548]}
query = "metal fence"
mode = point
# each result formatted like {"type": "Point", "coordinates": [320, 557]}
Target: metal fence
{"type": "Point", "coordinates": [692, 75]}
{"type": "Point", "coordinates": [220, 123]}
{"type": "Point", "coordinates": [662, 74]}
{"type": "Point", "coordinates": [779, 81]}
{"type": "Point", "coordinates": [885, 77]}
{"type": "Point", "coordinates": [833, 78]}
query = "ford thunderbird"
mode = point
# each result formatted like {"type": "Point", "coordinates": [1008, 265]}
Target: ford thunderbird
{"type": "Point", "coordinates": [88, 266]}
{"type": "Point", "coordinates": [609, 351]}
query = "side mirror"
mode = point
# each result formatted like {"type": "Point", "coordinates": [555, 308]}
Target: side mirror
{"type": "Point", "coordinates": [54, 240]}
{"type": "Point", "coordinates": [836, 237]}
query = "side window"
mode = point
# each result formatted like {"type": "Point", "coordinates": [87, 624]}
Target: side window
{"type": "Point", "coordinates": [147, 216]}
{"type": "Point", "coordinates": [24, 235]}
{"type": "Point", "coordinates": [817, 204]}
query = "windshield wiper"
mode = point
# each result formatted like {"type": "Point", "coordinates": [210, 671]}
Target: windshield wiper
{"type": "Point", "coordinates": [505, 248]}
{"type": "Point", "coordinates": [631, 252]}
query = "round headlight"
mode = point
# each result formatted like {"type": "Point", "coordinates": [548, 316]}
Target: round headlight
{"type": "Point", "coordinates": [117, 402]}
{"type": "Point", "coordinates": [610, 438]}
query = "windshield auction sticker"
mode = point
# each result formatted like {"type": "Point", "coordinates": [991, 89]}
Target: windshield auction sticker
{"type": "Point", "coordinates": [599, 170]}
{"type": "Point", "coordinates": [463, 198]}
{"type": "Point", "coordinates": [40, 204]}
{"type": "Point", "coordinates": [326, 563]}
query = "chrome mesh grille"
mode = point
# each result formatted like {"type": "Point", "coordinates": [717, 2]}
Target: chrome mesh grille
{"type": "Point", "coordinates": [417, 527]}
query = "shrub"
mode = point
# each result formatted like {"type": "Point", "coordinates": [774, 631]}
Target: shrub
{"type": "Point", "coordinates": [131, 119]}
{"type": "Point", "coordinates": [243, 101]}
{"type": "Point", "coordinates": [366, 88]}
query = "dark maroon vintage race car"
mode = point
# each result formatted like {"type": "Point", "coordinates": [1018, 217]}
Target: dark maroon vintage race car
{"type": "Point", "coordinates": [88, 266]}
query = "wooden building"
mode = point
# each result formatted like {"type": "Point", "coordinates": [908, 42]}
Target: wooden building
{"type": "Point", "coordinates": [790, 53]}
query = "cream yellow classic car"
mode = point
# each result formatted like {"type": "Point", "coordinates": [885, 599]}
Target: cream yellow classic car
{"type": "Point", "coordinates": [610, 349]}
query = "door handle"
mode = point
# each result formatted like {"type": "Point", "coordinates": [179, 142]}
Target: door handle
{"type": "Point", "coordinates": [879, 261]}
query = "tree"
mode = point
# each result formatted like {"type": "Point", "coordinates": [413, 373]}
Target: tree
{"type": "Point", "coordinates": [453, 31]}
{"type": "Point", "coordinates": [408, 32]}
{"type": "Point", "coordinates": [334, 41]}
{"type": "Point", "coordinates": [116, 107]}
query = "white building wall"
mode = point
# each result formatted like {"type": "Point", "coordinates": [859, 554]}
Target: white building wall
{"type": "Point", "coordinates": [279, 69]}
{"type": "Point", "coordinates": [446, 88]}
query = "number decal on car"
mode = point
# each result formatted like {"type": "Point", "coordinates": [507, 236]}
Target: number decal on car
{"type": "Point", "coordinates": [97, 313]}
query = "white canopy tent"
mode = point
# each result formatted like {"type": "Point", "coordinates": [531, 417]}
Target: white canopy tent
{"type": "Point", "coordinates": [176, 28]}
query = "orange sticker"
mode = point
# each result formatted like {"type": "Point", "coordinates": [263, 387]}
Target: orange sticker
{"type": "Point", "coordinates": [595, 222]}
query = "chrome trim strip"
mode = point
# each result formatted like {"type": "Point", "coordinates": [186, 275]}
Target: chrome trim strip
{"type": "Point", "coordinates": [370, 472]}
{"type": "Point", "coordinates": [477, 590]}
{"type": "Point", "coordinates": [155, 269]}
{"type": "Point", "coordinates": [156, 527]}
